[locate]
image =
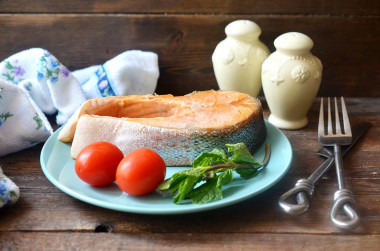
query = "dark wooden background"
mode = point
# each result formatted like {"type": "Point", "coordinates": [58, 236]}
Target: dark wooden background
{"type": "Point", "coordinates": [184, 34]}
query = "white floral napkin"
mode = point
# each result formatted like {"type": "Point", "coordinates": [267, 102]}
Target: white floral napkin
{"type": "Point", "coordinates": [9, 192]}
{"type": "Point", "coordinates": [22, 123]}
{"type": "Point", "coordinates": [34, 83]}
{"type": "Point", "coordinates": [49, 83]}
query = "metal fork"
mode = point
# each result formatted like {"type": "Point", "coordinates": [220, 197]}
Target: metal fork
{"type": "Point", "coordinates": [343, 198]}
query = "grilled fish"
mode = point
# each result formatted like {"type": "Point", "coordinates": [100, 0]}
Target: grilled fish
{"type": "Point", "coordinates": [178, 128]}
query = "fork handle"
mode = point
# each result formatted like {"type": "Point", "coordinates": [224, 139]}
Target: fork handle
{"type": "Point", "coordinates": [303, 190]}
{"type": "Point", "coordinates": [343, 199]}
{"type": "Point", "coordinates": [339, 166]}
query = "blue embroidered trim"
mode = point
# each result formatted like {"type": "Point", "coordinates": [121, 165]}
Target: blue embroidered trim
{"type": "Point", "coordinates": [103, 84]}
{"type": "Point", "coordinates": [110, 80]}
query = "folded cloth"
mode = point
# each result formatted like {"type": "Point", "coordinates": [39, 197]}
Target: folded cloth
{"type": "Point", "coordinates": [55, 89]}
{"type": "Point", "coordinates": [9, 191]}
{"type": "Point", "coordinates": [22, 123]}
{"type": "Point", "coordinates": [49, 83]}
{"type": "Point", "coordinates": [132, 72]}
{"type": "Point", "coordinates": [34, 82]}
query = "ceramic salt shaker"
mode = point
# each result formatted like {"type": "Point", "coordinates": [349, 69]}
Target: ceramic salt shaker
{"type": "Point", "coordinates": [237, 60]}
{"type": "Point", "coordinates": [291, 78]}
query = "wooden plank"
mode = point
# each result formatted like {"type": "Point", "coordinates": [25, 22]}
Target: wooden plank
{"type": "Point", "coordinates": [46, 211]}
{"type": "Point", "coordinates": [324, 7]}
{"type": "Point", "coordinates": [43, 207]}
{"type": "Point", "coordinates": [180, 241]}
{"type": "Point", "coordinates": [347, 46]}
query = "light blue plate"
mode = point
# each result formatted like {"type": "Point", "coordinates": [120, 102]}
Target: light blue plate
{"type": "Point", "coordinates": [59, 169]}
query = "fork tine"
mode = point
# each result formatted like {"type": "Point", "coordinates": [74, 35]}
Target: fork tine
{"type": "Point", "coordinates": [321, 124]}
{"type": "Point", "coordinates": [329, 120]}
{"type": "Point", "coordinates": [338, 129]}
{"type": "Point", "coordinates": [346, 121]}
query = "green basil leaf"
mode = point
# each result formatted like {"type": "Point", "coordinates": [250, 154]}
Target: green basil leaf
{"type": "Point", "coordinates": [212, 189]}
{"type": "Point", "coordinates": [183, 182]}
{"type": "Point", "coordinates": [241, 155]}
{"type": "Point", "coordinates": [247, 173]}
{"type": "Point", "coordinates": [216, 169]}
{"type": "Point", "coordinates": [216, 156]}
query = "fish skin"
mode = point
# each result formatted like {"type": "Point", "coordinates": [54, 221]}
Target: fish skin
{"type": "Point", "coordinates": [178, 147]}
{"type": "Point", "coordinates": [195, 144]}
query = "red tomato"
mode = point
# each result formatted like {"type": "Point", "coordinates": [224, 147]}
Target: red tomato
{"type": "Point", "coordinates": [140, 172]}
{"type": "Point", "coordinates": [96, 164]}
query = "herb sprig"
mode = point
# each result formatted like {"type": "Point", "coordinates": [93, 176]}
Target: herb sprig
{"type": "Point", "coordinates": [214, 169]}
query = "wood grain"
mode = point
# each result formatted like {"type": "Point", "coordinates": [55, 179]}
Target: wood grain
{"type": "Point", "coordinates": [184, 34]}
{"type": "Point", "coordinates": [179, 241]}
{"type": "Point", "coordinates": [347, 46]}
{"type": "Point", "coordinates": [227, 7]}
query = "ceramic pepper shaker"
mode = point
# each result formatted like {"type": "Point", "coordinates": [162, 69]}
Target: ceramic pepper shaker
{"type": "Point", "coordinates": [291, 78]}
{"type": "Point", "coordinates": [237, 60]}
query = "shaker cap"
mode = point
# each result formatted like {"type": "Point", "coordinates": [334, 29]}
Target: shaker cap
{"type": "Point", "coordinates": [293, 41]}
{"type": "Point", "coordinates": [241, 28]}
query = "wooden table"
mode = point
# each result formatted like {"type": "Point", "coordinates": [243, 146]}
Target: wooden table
{"type": "Point", "coordinates": [46, 218]}
{"type": "Point", "coordinates": [184, 34]}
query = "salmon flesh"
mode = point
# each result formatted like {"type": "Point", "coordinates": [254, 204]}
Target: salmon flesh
{"type": "Point", "coordinates": [179, 128]}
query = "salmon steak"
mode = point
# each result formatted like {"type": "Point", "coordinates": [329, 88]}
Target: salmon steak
{"type": "Point", "coordinates": [179, 128]}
